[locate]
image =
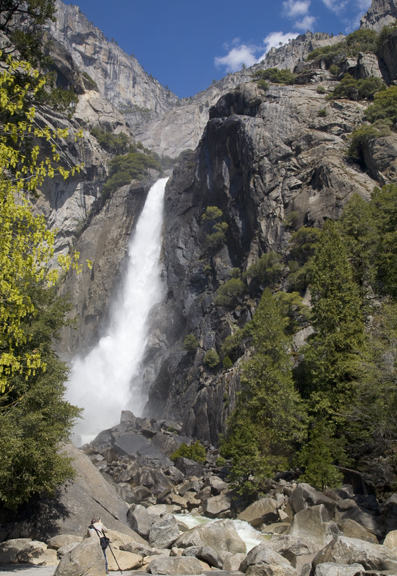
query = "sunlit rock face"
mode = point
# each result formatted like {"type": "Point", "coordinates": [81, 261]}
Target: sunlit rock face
{"type": "Point", "coordinates": [118, 76]}
{"type": "Point", "coordinates": [381, 13]}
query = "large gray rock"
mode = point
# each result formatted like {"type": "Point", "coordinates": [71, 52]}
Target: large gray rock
{"type": "Point", "coordinates": [130, 444]}
{"type": "Point", "coordinates": [353, 529]}
{"type": "Point", "coordinates": [261, 511]}
{"type": "Point", "coordinates": [27, 551]}
{"type": "Point", "coordinates": [305, 495]}
{"type": "Point", "coordinates": [331, 569]}
{"type": "Point", "coordinates": [291, 547]}
{"type": "Point", "coordinates": [312, 524]}
{"type": "Point", "coordinates": [221, 535]}
{"type": "Point", "coordinates": [86, 559]}
{"type": "Point", "coordinates": [164, 532]}
{"type": "Point", "coordinates": [63, 540]}
{"type": "Point", "coordinates": [70, 512]}
{"type": "Point", "coordinates": [175, 566]}
{"type": "Point", "coordinates": [262, 559]}
{"type": "Point", "coordinates": [233, 562]}
{"type": "Point", "coordinates": [343, 550]}
{"type": "Point", "coordinates": [189, 467]}
{"type": "Point", "coordinates": [216, 505]}
{"type": "Point", "coordinates": [139, 520]}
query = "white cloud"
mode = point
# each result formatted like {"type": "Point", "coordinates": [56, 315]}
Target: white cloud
{"type": "Point", "coordinates": [306, 23]}
{"type": "Point", "coordinates": [336, 6]}
{"type": "Point", "coordinates": [294, 8]}
{"type": "Point", "coordinates": [249, 55]}
{"type": "Point", "coordinates": [238, 56]}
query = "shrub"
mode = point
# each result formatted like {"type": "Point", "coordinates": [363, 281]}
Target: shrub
{"type": "Point", "coordinates": [227, 363]}
{"type": "Point", "coordinates": [275, 75]}
{"type": "Point", "coordinates": [334, 70]}
{"type": "Point", "coordinates": [230, 292]}
{"type": "Point", "coordinates": [322, 113]}
{"type": "Point", "coordinates": [211, 359]}
{"type": "Point", "coordinates": [291, 220]}
{"type": "Point", "coordinates": [384, 34]}
{"type": "Point", "coordinates": [358, 41]}
{"type": "Point", "coordinates": [112, 143]}
{"type": "Point", "coordinates": [125, 168]}
{"type": "Point", "coordinates": [212, 213]}
{"type": "Point", "coordinates": [220, 462]}
{"type": "Point", "coordinates": [263, 84]}
{"type": "Point", "coordinates": [384, 106]}
{"type": "Point", "coordinates": [361, 136]}
{"type": "Point", "coordinates": [354, 89]}
{"type": "Point", "coordinates": [190, 344]}
{"type": "Point", "coordinates": [326, 53]}
{"type": "Point", "coordinates": [195, 451]}
{"type": "Point", "coordinates": [320, 90]}
{"type": "Point", "coordinates": [267, 269]}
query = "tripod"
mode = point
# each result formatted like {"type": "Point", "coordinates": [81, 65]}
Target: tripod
{"type": "Point", "coordinates": [115, 559]}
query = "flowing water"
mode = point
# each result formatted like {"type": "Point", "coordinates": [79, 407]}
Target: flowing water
{"type": "Point", "coordinates": [105, 381]}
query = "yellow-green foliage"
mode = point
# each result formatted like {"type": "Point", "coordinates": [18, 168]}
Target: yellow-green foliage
{"type": "Point", "coordinates": [190, 344]}
{"type": "Point", "coordinates": [212, 216]}
{"type": "Point", "coordinates": [384, 106]}
{"type": "Point", "coordinates": [356, 42]}
{"type": "Point", "coordinates": [26, 245]}
{"type": "Point", "coordinates": [267, 269]}
{"type": "Point", "coordinates": [195, 451]}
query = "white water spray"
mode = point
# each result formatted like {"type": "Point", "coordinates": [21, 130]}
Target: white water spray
{"type": "Point", "coordinates": [103, 382]}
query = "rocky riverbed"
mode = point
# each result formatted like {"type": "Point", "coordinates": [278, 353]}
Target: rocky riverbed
{"type": "Point", "coordinates": [182, 517]}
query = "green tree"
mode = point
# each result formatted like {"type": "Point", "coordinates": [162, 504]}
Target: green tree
{"type": "Point", "coordinates": [195, 451]}
{"type": "Point", "coordinates": [229, 293]}
{"type": "Point", "coordinates": [332, 356]}
{"type": "Point", "coordinates": [211, 359]}
{"type": "Point", "coordinates": [34, 416]}
{"type": "Point", "coordinates": [268, 421]}
{"type": "Point", "coordinates": [190, 344]}
{"type": "Point", "coordinates": [212, 216]}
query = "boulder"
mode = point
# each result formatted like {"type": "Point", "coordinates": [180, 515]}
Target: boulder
{"type": "Point", "coordinates": [129, 444]}
{"type": "Point", "coordinates": [391, 541]}
{"type": "Point", "coordinates": [67, 513]}
{"type": "Point", "coordinates": [305, 495]}
{"type": "Point", "coordinates": [175, 566]}
{"type": "Point", "coordinates": [139, 520]}
{"type": "Point", "coordinates": [277, 528]}
{"type": "Point", "coordinates": [331, 569]}
{"type": "Point", "coordinates": [345, 550]}
{"type": "Point", "coordinates": [221, 535]}
{"type": "Point", "coordinates": [291, 547]}
{"type": "Point", "coordinates": [263, 560]}
{"type": "Point", "coordinates": [215, 505]}
{"type": "Point", "coordinates": [139, 549]}
{"type": "Point", "coordinates": [192, 485]}
{"type": "Point", "coordinates": [140, 493]}
{"type": "Point", "coordinates": [126, 560]}
{"type": "Point", "coordinates": [311, 524]}
{"type": "Point", "coordinates": [209, 555]}
{"type": "Point", "coordinates": [352, 529]}
{"type": "Point", "coordinates": [365, 519]}
{"type": "Point", "coordinates": [261, 511]}
{"type": "Point", "coordinates": [189, 467]}
{"type": "Point", "coordinates": [164, 532]}
{"type": "Point", "coordinates": [217, 485]}
{"type": "Point", "coordinates": [63, 540]}
{"type": "Point", "coordinates": [232, 563]}
{"type": "Point", "coordinates": [154, 479]}
{"type": "Point", "coordinates": [27, 551]}
{"type": "Point", "coordinates": [86, 559]}
{"type": "Point", "coordinates": [65, 549]}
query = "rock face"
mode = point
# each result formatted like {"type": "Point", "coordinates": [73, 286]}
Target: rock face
{"type": "Point", "coordinates": [116, 75]}
{"type": "Point", "coordinates": [381, 13]}
{"type": "Point", "coordinates": [89, 495]}
{"type": "Point", "coordinates": [262, 156]}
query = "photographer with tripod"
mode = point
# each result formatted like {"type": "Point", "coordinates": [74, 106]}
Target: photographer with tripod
{"type": "Point", "coordinates": [96, 527]}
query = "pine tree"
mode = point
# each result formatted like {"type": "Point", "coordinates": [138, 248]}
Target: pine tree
{"type": "Point", "coordinates": [332, 356]}
{"type": "Point", "coordinates": [269, 418]}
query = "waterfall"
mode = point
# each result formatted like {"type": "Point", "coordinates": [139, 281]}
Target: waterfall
{"type": "Point", "coordinates": [105, 381]}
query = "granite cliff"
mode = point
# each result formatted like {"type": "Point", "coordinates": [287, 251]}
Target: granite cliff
{"type": "Point", "coordinates": [261, 156]}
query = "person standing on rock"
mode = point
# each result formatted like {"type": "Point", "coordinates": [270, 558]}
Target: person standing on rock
{"type": "Point", "coordinates": [95, 529]}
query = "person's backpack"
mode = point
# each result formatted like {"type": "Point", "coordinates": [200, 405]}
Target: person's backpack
{"type": "Point", "coordinates": [103, 540]}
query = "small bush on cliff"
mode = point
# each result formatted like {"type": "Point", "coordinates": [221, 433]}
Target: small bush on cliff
{"type": "Point", "coordinates": [227, 363]}
{"type": "Point", "coordinates": [112, 143]}
{"type": "Point", "coordinates": [267, 269]}
{"type": "Point", "coordinates": [230, 292]}
{"type": "Point", "coordinates": [212, 216]}
{"type": "Point", "coordinates": [125, 168]}
{"type": "Point", "coordinates": [354, 89]}
{"type": "Point", "coordinates": [190, 344]}
{"type": "Point", "coordinates": [195, 451]}
{"type": "Point", "coordinates": [211, 359]}
{"type": "Point", "coordinates": [384, 34]}
{"type": "Point", "coordinates": [361, 136]}
{"type": "Point", "coordinates": [275, 76]}
{"type": "Point", "coordinates": [384, 107]}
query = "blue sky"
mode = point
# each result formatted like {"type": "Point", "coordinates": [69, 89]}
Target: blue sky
{"type": "Point", "coordinates": [187, 44]}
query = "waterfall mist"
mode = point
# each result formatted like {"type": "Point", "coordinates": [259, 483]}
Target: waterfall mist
{"type": "Point", "coordinates": [105, 382]}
